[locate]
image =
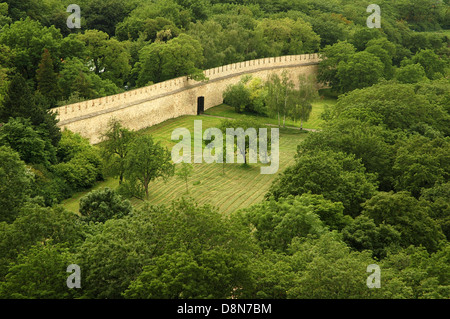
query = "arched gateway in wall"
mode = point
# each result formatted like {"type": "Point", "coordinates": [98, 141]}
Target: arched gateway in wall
{"type": "Point", "coordinates": [147, 106]}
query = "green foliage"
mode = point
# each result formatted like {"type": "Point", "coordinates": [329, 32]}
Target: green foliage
{"type": "Point", "coordinates": [422, 162]}
{"type": "Point", "coordinates": [433, 65]}
{"type": "Point", "coordinates": [27, 39]}
{"type": "Point", "coordinates": [32, 147]}
{"type": "Point", "coordinates": [411, 73]}
{"type": "Point", "coordinates": [47, 81]}
{"type": "Point", "coordinates": [36, 225]}
{"type": "Point", "coordinates": [191, 239]}
{"type": "Point", "coordinates": [334, 54]}
{"type": "Point", "coordinates": [80, 163]}
{"type": "Point", "coordinates": [40, 273]}
{"type": "Point", "coordinates": [15, 186]}
{"type": "Point", "coordinates": [286, 36]}
{"type": "Point", "coordinates": [103, 204]}
{"type": "Point", "coordinates": [363, 234]}
{"type": "Point", "coordinates": [238, 96]}
{"type": "Point", "coordinates": [184, 171]}
{"type": "Point", "coordinates": [144, 162]}
{"type": "Point", "coordinates": [107, 57]}
{"type": "Point", "coordinates": [162, 61]}
{"type": "Point", "coordinates": [116, 141]}
{"type": "Point", "coordinates": [438, 198]}
{"type": "Point", "coordinates": [361, 70]}
{"type": "Point", "coordinates": [329, 270]}
{"type": "Point", "coordinates": [405, 214]}
{"type": "Point", "coordinates": [374, 145]}
{"type": "Point", "coordinates": [276, 223]}
{"type": "Point", "coordinates": [394, 106]}
{"type": "Point", "coordinates": [202, 244]}
{"type": "Point", "coordinates": [339, 177]}
{"type": "Point", "coordinates": [76, 79]}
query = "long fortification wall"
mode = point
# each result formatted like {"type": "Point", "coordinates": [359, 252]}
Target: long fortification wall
{"type": "Point", "coordinates": [147, 106]}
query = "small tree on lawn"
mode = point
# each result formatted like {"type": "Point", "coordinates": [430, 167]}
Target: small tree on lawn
{"type": "Point", "coordinates": [145, 162]}
{"type": "Point", "coordinates": [115, 147]}
{"type": "Point", "coordinates": [184, 171]}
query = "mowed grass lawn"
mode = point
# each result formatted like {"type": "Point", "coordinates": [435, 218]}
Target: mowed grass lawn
{"type": "Point", "coordinates": [227, 188]}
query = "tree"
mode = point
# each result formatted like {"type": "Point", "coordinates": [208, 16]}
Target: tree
{"type": "Point", "coordinates": [420, 163]}
{"type": "Point", "coordinates": [279, 91]}
{"type": "Point", "coordinates": [36, 224]}
{"type": "Point", "coordinates": [332, 56]}
{"type": "Point", "coordinates": [38, 273]}
{"type": "Point", "coordinates": [105, 15]}
{"type": "Point", "coordinates": [433, 65]}
{"type": "Point", "coordinates": [274, 96]}
{"type": "Point", "coordinates": [144, 162]}
{"type": "Point", "coordinates": [160, 61]}
{"type": "Point", "coordinates": [373, 144]}
{"type": "Point", "coordinates": [47, 81]}
{"type": "Point", "coordinates": [339, 177]}
{"type": "Point", "coordinates": [405, 214]}
{"type": "Point", "coordinates": [275, 223]}
{"type": "Point", "coordinates": [103, 204]}
{"type": "Point", "coordinates": [185, 170]}
{"type": "Point", "coordinates": [411, 73]}
{"type": "Point", "coordinates": [108, 58]}
{"type": "Point", "coordinates": [77, 80]}
{"type": "Point", "coordinates": [181, 56]}
{"type": "Point", "coordinates": [27, 39]}
{"type": "Point", "coordinates": [21, 136]}
{"type": "Point", "coordinates": [237, 96]}
{"type": "Point", "coordinates": [302, 97]}
{"type": "Point", "coordinates": [363, 234]}
{"type": "Point", "coordinates": [395, 106]}
{"type": "Point", "coordinates": [286, 36]}
{"type": "Point", "coordinates": [115, 147]}
{"type": "Point", "coordinates": [248, 125]}
{"type": "Point", "coordinates": [15, 186]}
{"type": "Point", "coordinates": [80, 163]}
{"type": "Point", "coordinates": [328, 269]}
{"type": "Point", "coordinates": [19, 100]}
{"type": "Point", "coordinates": [200, 254]}
{"type": "Point", "coordinates": [360, 70]}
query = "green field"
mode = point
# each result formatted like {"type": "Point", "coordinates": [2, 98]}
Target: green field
{"type": "Point", "coordinates": [227, 188]}
{"type": "Point", "coordinates": [314, 121]}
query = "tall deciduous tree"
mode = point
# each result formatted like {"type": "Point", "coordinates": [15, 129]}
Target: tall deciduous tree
{"type": "Point", "coordinates": [115, 147]}
{"type": "Point", "coordinates": [146, 161]}
{"type": "Point", "coordinates": [301, 99]}
{"type": "Point", "coordinates": [279, 91]}
{"type": "Point", "coordinates": [162, 61]}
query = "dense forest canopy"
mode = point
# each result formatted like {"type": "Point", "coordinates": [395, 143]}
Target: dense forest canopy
{"type": "Point", "coordinates": [371, 187]}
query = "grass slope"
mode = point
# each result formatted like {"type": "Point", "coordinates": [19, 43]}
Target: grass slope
{"type": "Point", "coordinates": [236, 186]}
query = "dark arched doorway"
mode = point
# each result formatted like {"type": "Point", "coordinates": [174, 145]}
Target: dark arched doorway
{"type": "Point", "coordinates": [200, 105]}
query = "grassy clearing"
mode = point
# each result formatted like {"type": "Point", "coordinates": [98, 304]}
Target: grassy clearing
{"type": "Point", "coordinates": [314, 122]}
{"type": "Point", "coordinates": [227, 188]}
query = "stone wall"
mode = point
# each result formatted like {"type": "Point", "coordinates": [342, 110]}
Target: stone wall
{"type": "Point", "coordinates": [147, 106]}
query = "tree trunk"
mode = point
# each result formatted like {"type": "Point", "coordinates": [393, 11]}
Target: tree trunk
{"type": "Point", "coordinates": [146, 191]}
